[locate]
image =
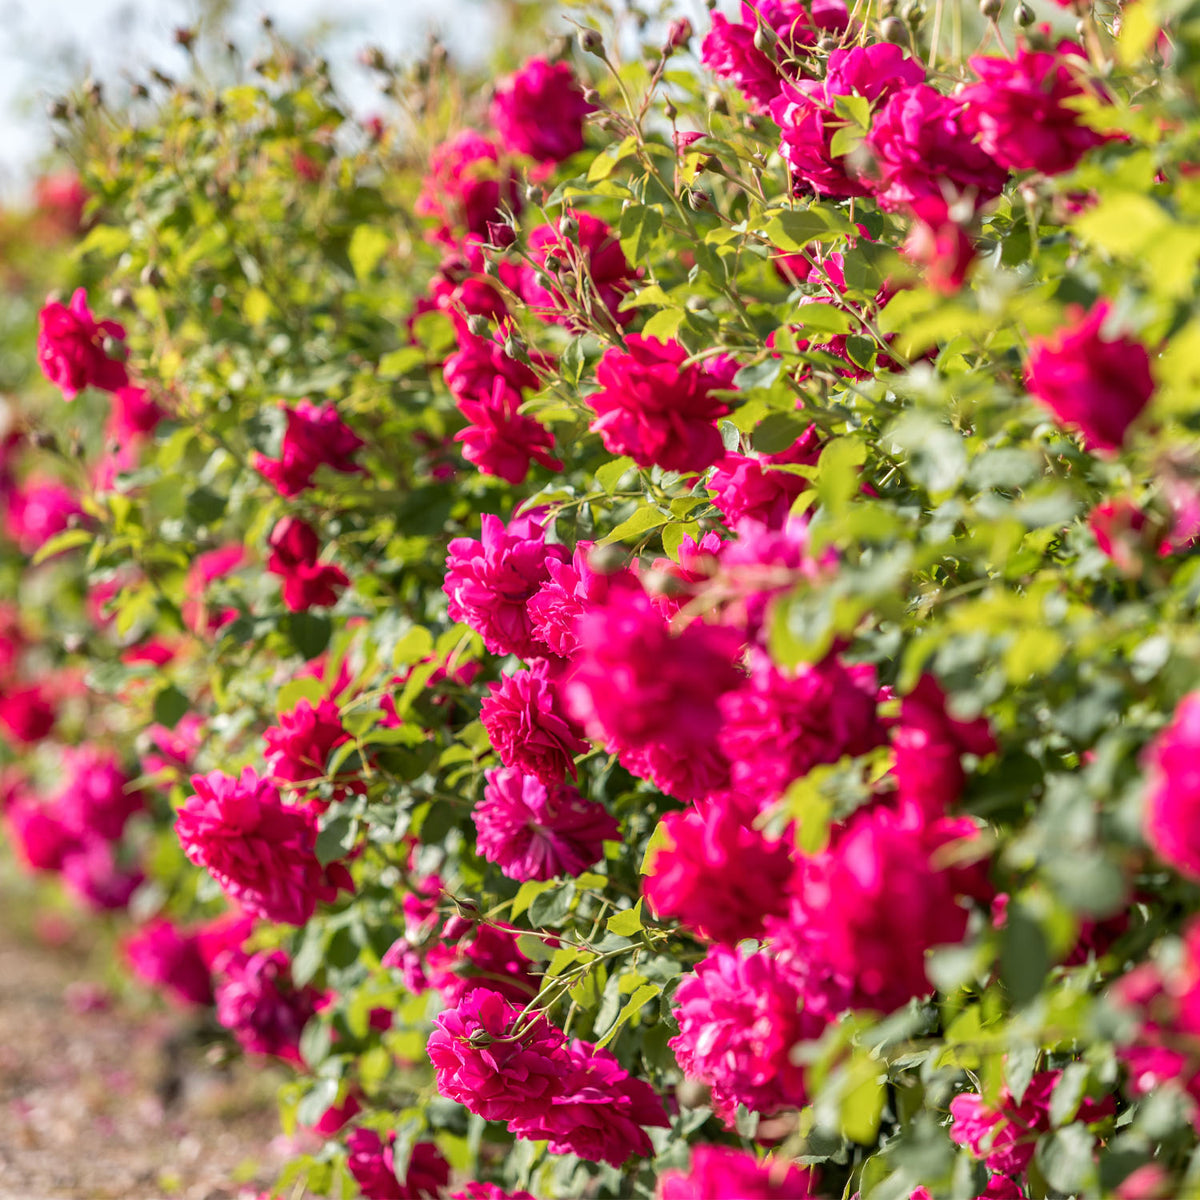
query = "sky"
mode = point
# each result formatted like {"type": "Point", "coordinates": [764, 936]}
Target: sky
{"type": "Point", "coordinates": [47, 44]}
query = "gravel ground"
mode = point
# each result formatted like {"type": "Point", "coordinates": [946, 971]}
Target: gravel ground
{"type": "Point", "coordinates": [102, 1099]}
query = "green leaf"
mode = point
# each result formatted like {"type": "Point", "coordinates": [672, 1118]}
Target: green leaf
{"type": "Point", "coordinates": [626, 923]}
{"type": "Point", "coordinates": [823, 318]}
{"type": "Point", "coordinates": [204, 506]}
{"type": "Point", "coordinates": [863, 1098]}
{"type": "Point", "coordinates": [308, 632]}
{"type": "Point", "coordinates": [1024, 955]}
{"type": "Point", "coordinates": [400, 362]}
{"type": "Point", "coordinates": [646, 518]}
{"type": "Point", "coordinates": [368, 244]}
{"type": "Point", "coordinates": [640, 998]}
{"type": "Point", "coordinates": [67, 540]}
{"type": "Point", "coordinates": [792, 231]}
{"type": "Point", "coordinates": [170, 704]}
{"type": "Point", "coordinates": [664, 324]}
{"type": "Point", "coordinates": [336, 839]}
{"type": "Point", "coordinates": [528, 892]}
{"type": "Point", "coordinates": [549, 908]}
{"type": "Point", "coordinates": [295, 690]}
{"type": "Point", "coordinates": [609, 475]}
{"type": "Point", "coordinates": [1067, 1160]}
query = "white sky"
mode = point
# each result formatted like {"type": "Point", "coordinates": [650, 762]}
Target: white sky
{"type": "Point", "coordinates": [47, 44]}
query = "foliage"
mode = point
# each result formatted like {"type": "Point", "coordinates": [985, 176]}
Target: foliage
{"type": "Point", "coordinates": [887, 581]}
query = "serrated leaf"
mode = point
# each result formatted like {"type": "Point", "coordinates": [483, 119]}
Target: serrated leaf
{"type": "Point", "coordinates": [626, 923]}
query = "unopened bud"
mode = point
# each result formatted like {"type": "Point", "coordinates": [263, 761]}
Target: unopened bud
{"type": "Point", "coordinates": [121, 297]}
{"type": "Point", "coordinates": [43, 439]}
{"type": "Point", "coordinates": [477, 323]}
{"type": "Point", "coordinates": [1024, 16]}
{"type": "Point", "coordinates": [534, 194]}
{"type": "Point", "coordinates": [671, 111]}
{"type": "Point", "coordinates": [893, 30]}
{"type": "Point", "coordinates": [184, 36]}
{"type": "Point", "coordinates": [990, 8]}
{"type": "Point", "coordinates": [58, 110]}
{"type": "Point", "coordinates": [699, 199]}
{"type": "Point", "coordinates": [568, 228]}
{"type": "Point", "coordinates": [679, 33]}
{"type": "Point", "coordinates": [827, 44]}
{"type": "Point", "coordinates": [591, 96]}
{"type": "Point", "coordinates": [590, 42]}
{"type": "Point", "coordinates": [913, 13]}
{"type": "Point", "coordinates": [717, 103]}
{"type": "Point", "coordinates": [151, 276]}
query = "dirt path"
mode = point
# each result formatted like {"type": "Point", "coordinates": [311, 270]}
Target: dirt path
{"type": "Point", "coordinates": [100, 1100]}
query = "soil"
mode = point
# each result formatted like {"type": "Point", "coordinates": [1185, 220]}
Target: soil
{"type": "Point", "coordinates": [116, 1098]}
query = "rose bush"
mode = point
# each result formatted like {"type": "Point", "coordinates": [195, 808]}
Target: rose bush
{"type": "Point", "coordinates": [637, 627]}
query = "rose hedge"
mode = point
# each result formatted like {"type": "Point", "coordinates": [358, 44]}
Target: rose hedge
{"type": "Point", "coordinates": [640, 634]}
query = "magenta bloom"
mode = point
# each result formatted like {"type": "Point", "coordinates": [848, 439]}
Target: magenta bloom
{"type": "Point", "coordinates": [475, 956]}
{"type": "Point", "coordinates": [531, 831]}
{"type": "Point", "coordinates": [717, 875]}
{"type": "Point", "coordinates": [729, 51]}
{"type": "Point", "coordinates": [656, 409]}
{"type": "Point", "coordinates": [746, 487]}
{"type": "Point", "coordinates": [571, 589]}
{"type": "Point", "coordinates": [466, 187]}
{"type": "Point", "coordinates": [598, 1110]}
{"type": "Point", "coordinates": [807, 120]}
{"type": "Point", "coordinates": [207, 568]}
{"type": "Point", "coordinates": [1099, 384]}
{"type": "Point", "coordinates": [500, 440]}
{"type": "Point", "coordinates": [929, 745]}
{"type": "Point", "coordinates": [869, 907]}
{"type": "Point", "coordinates": [721, 1171]}
{"type": "Point", "coordinates": [37, 510]}
{"type": "Point", "coordinates": [651, 695]}
{"type": "Point", "coordinates": [315, 436]}
{"type": "Point", "coordinates": [740, 1014]}
{"type": "Point", "coordinates": [1006, 1136]}
{"type": "Point", "coordinates": [299, 747]}
{"type": "Point", "coordinates": [1018, 110]}
{"type": "Point", "coordinates": [71, 348]}
{"type": "Point", "coordinates": [602, 274]}
{"type": "Point", "coordinates": [778, 727]}
{"type": "Point", "coordinates": [477, 1190]}
{"type": "Point", "coordinates": [372, 1164]}
{"type": "Point", "coordinates": [133, 414]}
{"type": "Point", "coordinates": [26, 714]}
{"type": "Point", "coordinates": [490, 582]}
{"type": "Point", "coordinates": [1172, 813]}
{"type": "Point", "coordinates": [497, 1080]}
{"type": "Point", "coordinates": [258, 1002]}
{"type": "Point", "coordinates": [96, 800]}
{"type": "Point", "coordinates": [259, 851]}
{"type": "Point", "coordinates": [527, 723]}
{"type": "Point", "coordinates": [939, 246]}
{"type": "Point", "coordinates": [306, 582]}
{"type": "Point", "coordinates": [1165, 997]}
{"type": "Point", "coordinates": [472, 370]}
{"type": "Point", "coordinates": [93, 871]}
{"type": "Point", "coordinates": [168, 957]}
{"type": "Point", "coordinates": [38, 833]}
{"type": "Point", "coordinates": [539, 111]}
{"type": "Point", "coordinates": [924, 147]}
